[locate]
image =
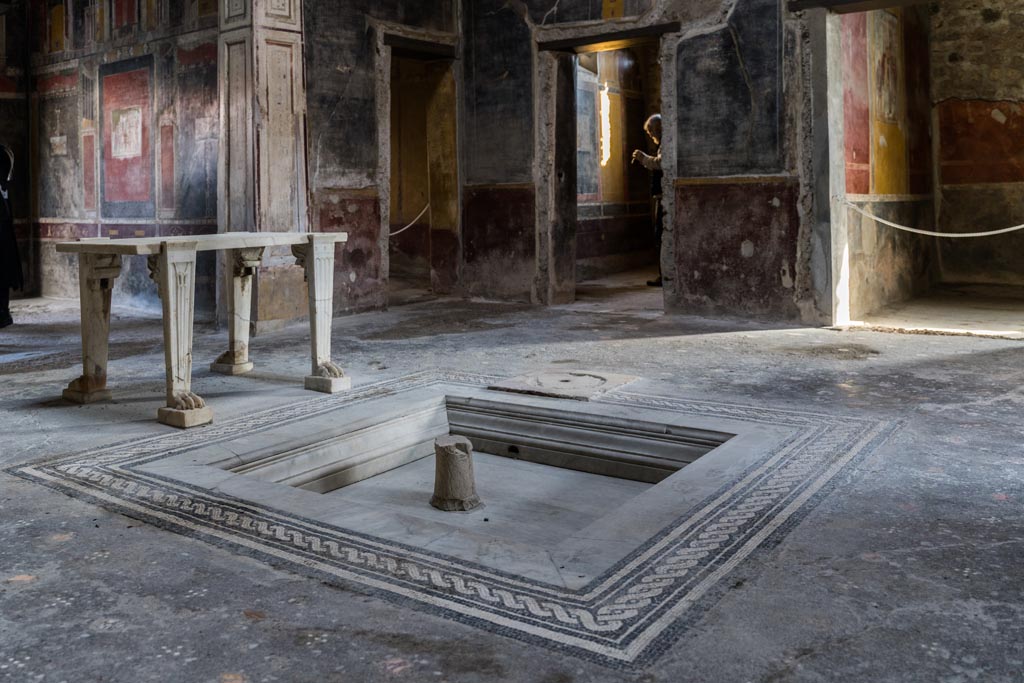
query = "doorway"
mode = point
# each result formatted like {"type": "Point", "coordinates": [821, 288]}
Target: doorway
{"type": "Point", "coordinates": [595, 209]}
{"type": "Point", "coordinates": [616, 250]}
{"type": "Point", "coordinates": [423, 248]}
{"type": "Point", "coordinates": [616, 92]}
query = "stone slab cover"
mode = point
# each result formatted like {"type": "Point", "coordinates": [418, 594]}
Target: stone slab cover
{"type": "Point", "coordinates": [575, 385]}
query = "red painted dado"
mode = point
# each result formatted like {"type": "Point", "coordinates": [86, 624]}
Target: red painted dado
{"type": "Point", "coordinates": [981, 142]}
{"type": "Point", "coordinates": [203, 54]}
{"type": "Point", "coordinates": [53, 83]}
{"type": "Point", "coordinates": [499, 240]}
{"type": "Point", "coordinates": [736, 248]}
{"type": "Point", "coordinates": [359, 283]}
{"type": "Point", "coordinates": [127, 153]}
{"type": "Point", "coordinates": [856, 112]}
{"type": "Point", "coordinates": [8, 85]}
{"type": "Point", "coordinates": [62, 232]}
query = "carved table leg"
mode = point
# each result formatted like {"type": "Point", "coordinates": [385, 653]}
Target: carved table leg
{"type": "Point", "coordinates": [243, 264]}
{"type": "Point", "coordinates": [317, 257]}
{"type": "Point", "coordinates": [175, 273]}
{"type": "Point", "coordinates": [96, 275]}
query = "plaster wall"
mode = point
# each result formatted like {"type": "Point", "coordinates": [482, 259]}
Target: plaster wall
{"type": "Point", "coordinates": [348, 82]}
{"type": "Point", "coordinates": [887, 155]}
{"type": "Point", "coordinates": [744, 240]}
{"type": "Point", "coordinates": [736, 96]}
{"type": "Point", "coordinates": [124, 140]}
{"type": "Point", "coordinates": [978, 99]}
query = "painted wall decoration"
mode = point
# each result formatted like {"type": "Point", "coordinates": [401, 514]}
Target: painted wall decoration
{"type": "Point", "coordinates": [89, 172]}
{"type": "Point", "coordinates": [856, 108]}
{"type": "Point", "coordinates": [127, 162]}
{"type": "Point", "coordinates": [890, 171]}
{"type": "Point", "coordinates": [126, 132]}
{"type": "Point", "coordinates": [886, 103]}
{"type": "Point", "coordinates": [124, 13]}
{"type": "Point", "coordinates": [729, 97]}
{"type": "Point", "coordinates": [56, 140]}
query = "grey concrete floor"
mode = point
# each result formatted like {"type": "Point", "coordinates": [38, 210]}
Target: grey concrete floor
{"type": "Point", "coordinates": [912, 570]}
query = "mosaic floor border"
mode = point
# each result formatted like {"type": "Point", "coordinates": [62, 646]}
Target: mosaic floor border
{"type": "Point", "coordinates": [625, 618]}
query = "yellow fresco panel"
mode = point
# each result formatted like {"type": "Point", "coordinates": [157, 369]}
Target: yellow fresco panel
{"type": "Point", "coordinates": [890, 167]}
{"type": "Point", "coordinates": [613, 9]}
{"type": "Point", "coordinates": [890, 174]}
{"type": "Point", "coordinates": [207, 8]}
{"type": "Point", "coordinates": [57, 29]}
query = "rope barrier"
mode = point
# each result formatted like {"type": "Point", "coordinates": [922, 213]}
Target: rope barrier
{"type": "Point", "coordinates": [414, 221]}
{"type": "Point", "coordinates": [952, 235]}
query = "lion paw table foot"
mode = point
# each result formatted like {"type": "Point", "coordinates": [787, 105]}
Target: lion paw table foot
{"type": "Point", "coordinates": [329, 379]}
{"type": "Point", "coordinates": [85, 390]}
{"type": "Point", "coordinates": [87, 397]}
{"type": "Point", "coordinates": [328, 385]}
{"type": "Point", "coordinates": [226, 365]}
{"type": "Point", "coordinates": [185, 419]}
{"type": "Point", "coordinates": [231, 369]}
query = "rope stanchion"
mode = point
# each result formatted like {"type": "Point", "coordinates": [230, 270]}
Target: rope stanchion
{"type": "Point", "coordinates": [930, 233]}
{"type": "Point", "coordinates": [414, 221]}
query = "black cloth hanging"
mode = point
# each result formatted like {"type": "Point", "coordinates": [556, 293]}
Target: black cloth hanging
{"type": "Point", "coordinates": [11, 276]}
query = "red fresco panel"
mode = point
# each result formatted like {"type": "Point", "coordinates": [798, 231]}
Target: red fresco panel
{"type": "Point", "coordinates": [128, 174]}
{"type": "Point", "coordinates": [167, 167]}
{"type": "Point", "coordinates": [57, 83]}
{"type": "Point", "coordinates": [982, 142]}
{"type": "Point", "coordinates": [856, 114]}
{"type": "Point", "coordinates": [8, 85]}
{"type": "Point", "coordinates": [203, 54]}
{"type": "Point", "coordinates": [124, 12]}
{"type": "Point", "coordinates": [89, 171]}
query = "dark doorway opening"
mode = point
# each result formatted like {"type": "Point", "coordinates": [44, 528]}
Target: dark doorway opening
{"type": "Point", "coordinates": [423, 248]}
{"type": "Point", "coordinates": [616, 92]}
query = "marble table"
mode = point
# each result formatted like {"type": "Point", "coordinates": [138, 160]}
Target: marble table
{"type": "Point", "coordinates": [172, 265]}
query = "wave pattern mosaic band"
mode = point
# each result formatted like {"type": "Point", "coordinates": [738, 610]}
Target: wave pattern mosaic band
{"type": "Point", "coordinates": [626, 617]}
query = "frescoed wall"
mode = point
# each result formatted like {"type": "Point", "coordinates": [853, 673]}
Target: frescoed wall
{"type": "Point", "coordinates": [127, 133]}
{"type": "Point", "coordinates": [979, 105]}
{"type": "Point", "coordinates": [125, 126]}
{"type": "Point", "coordinates": [888, 155]}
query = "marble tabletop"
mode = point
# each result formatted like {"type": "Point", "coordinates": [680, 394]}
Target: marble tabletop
{"type": "Point", "coordinates": [148, 246]}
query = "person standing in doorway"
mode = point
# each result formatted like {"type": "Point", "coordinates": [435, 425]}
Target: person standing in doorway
{"type": "Point", "coordinates": [653, 164]}
{"type": "Point", "coordinates": [10, 259]}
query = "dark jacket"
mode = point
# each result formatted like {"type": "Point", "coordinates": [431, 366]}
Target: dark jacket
{"type": "Point", "coordinates": [10, 260]}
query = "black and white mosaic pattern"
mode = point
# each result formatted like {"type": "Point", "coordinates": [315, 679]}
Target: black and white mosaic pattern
{"type": "Point", "coordinates": [625, 617]}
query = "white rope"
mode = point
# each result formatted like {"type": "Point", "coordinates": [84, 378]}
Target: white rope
{"type": "Point", "coordinates": [953, 235]}
{"type": "Point", "coordinates": [414, 221]}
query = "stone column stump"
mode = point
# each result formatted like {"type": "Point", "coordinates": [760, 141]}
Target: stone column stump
{"type": "Point", "coordinates": [454, 482]}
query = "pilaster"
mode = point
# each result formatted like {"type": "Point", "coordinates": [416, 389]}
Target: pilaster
{"type": "Point", "coordinates": [262, 179]}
